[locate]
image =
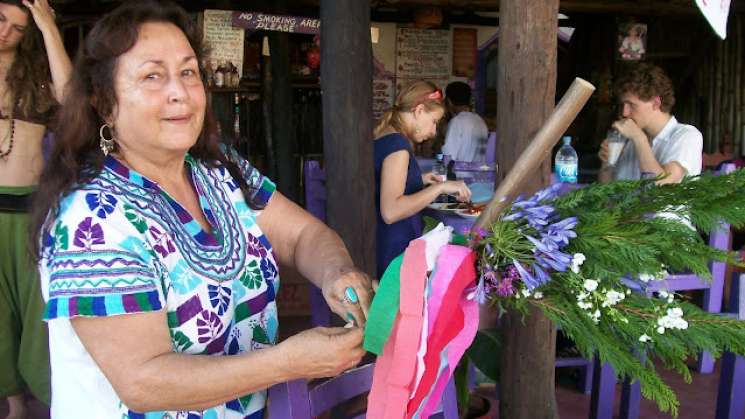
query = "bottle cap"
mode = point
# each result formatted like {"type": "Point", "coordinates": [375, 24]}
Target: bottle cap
{"type": "Point", "coordinates": [439, 156]}
{"type": "Point", "coordinates": [566, 139]}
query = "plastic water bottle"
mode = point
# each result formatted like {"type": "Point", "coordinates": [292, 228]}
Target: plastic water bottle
{"type": "Point", "coordinates": [440, 170]}
{"type": "Point", "coordinates": [566, 162]}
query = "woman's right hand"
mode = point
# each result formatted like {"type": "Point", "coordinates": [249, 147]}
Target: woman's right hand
{"type": "Point", "coordinates": [322, 351]}
{"type": "Point", "coordinates": [42, 13]}
{"type": "Point", "coordinates": [458, 188]}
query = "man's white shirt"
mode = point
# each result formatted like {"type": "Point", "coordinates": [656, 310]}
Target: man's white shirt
{"type": "Point", "coordinates": [676, 142]}
{"type": "Point", "coordinates": [466, 138]}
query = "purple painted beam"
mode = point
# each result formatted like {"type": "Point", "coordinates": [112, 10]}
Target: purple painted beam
{"type": "Point", "coordinates": [603, 391]}
{"type": "Point", "coordinates": [289, 400]}
{"type": "Point", "coordinates": [295, 400]}
{"type": "Point", "coordinates": [731, 397]}
{"type": "Point", "coordinates": [350, 384]}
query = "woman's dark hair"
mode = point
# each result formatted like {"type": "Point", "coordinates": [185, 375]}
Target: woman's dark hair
{"type": "Point", "coordinates": [28, 77]}
{"type": "Point", "coordinates": [90, 97]}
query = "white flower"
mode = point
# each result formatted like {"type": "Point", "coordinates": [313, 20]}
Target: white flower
{"type": "Point", "coordinates": [591, 285]}
{"type": "Point", "coordinates": [675, 312]}
{"type": "Point", "coordinates": [577, 260]}
{"type": "Point", "coordinates": [672, 320]}
{"type": "Point", "coordinates": [584, 305]}
{"type": "Point", "coordinates": [644, 338]}
{"type": "Point", "coordinates": [628, 292]}
{"type": "Point", "coordinates": [526, 292]}
{"type": "Point", "coordinates": [613, 297]}
{"type": "Point", "coordinates": [595, 316]}
{"type": "Point", "coordinates": [661, 330]}
{"type": "Point", "coordinates": [663, 294]}
{"type": "Point", "coordinates": [538, 295]}
{"type": "Point", "coordinates": [581, 296]}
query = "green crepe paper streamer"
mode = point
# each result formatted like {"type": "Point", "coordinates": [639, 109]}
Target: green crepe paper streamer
{"type": "Point", "coordinates": [384, 308]}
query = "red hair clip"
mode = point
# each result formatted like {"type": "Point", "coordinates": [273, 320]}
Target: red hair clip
{"type": "Point", "coordinates": [436, 95]}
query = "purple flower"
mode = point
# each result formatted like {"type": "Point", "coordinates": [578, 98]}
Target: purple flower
{"type": "Point", "coordinates": [528, 279]}
{"type": "Point", "coordinates": [480, 292]}
{"type": "Point", "coordinates": [514, 216]}
{"type": "Point", "coordinates": [549, 263]}
{"type": "Point", "coordinates": [541, 276]}
{"type": "Point", "coordinates": [542, 246]}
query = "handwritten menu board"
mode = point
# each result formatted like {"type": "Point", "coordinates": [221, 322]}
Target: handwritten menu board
{"type": "Point", "coordinates": [422, 54]}
{"type": "Point", "coordinates": [225, 41]}
{"type": "Point", "coordinates": [464, 52]}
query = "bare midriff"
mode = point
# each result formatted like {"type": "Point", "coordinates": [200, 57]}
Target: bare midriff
{"type": "Point", "coordinates": [23, 165]}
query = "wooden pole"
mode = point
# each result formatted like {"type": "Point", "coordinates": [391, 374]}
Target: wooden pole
{"type": "Point", "coordinates": [526, 86]}
{"type": "Point", "coordinates": [346, 84]}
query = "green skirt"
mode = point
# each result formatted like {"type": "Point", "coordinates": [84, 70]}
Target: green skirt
{"type": "Point", "coordinates": [24, 344]}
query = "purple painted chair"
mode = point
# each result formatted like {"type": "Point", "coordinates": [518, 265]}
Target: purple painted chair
{"type": "Point", "coordinates": [604, 387]}
{"type": "Point", "coordinates": [315, 203]}
{"type": "Point", "coordinates": [730, 400]}
{"type": "Point", "coordinates": [297, 400]}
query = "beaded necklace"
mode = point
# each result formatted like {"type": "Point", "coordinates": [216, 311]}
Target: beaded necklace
{"type": "Point", "coordinates": [11, 132]}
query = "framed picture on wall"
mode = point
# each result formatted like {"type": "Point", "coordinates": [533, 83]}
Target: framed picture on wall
{"type": "Point", "coordinates": [632, 41]}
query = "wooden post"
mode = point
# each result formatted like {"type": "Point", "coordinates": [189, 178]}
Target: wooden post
{"type": "Point", "coordinates": [346, 85]}
{"type": "Point", "coordinates": [526, 86]}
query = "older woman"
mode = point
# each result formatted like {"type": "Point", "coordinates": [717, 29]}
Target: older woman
{"type": "Point", "coordinates": [34, 70]}
{"type": "Point", "coordinates": [159, 252]}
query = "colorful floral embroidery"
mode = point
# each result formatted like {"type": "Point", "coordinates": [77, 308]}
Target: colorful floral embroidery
{"type": "Point", "coordinates": [88, 234]}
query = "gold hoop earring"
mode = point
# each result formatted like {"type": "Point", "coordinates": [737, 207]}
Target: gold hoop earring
{"type": "Point", "coordinates": [106, 144]}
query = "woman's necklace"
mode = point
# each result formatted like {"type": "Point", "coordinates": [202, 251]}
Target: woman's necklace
{"type": "Point", "coordinates": [11, 133]}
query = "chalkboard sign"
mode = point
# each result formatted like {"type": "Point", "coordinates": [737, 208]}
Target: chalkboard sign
{"type": "Point", "coordinates": [422, 54]}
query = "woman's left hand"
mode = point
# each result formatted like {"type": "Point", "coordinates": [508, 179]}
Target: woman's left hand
{"type": "Point", "coordinates": [42, 13]}
{"type": "Point", "coordinates": [349, 295]}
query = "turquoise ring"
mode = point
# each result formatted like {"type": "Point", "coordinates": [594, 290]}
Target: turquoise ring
{"type": "Point", "coordinates": [350, 296]}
